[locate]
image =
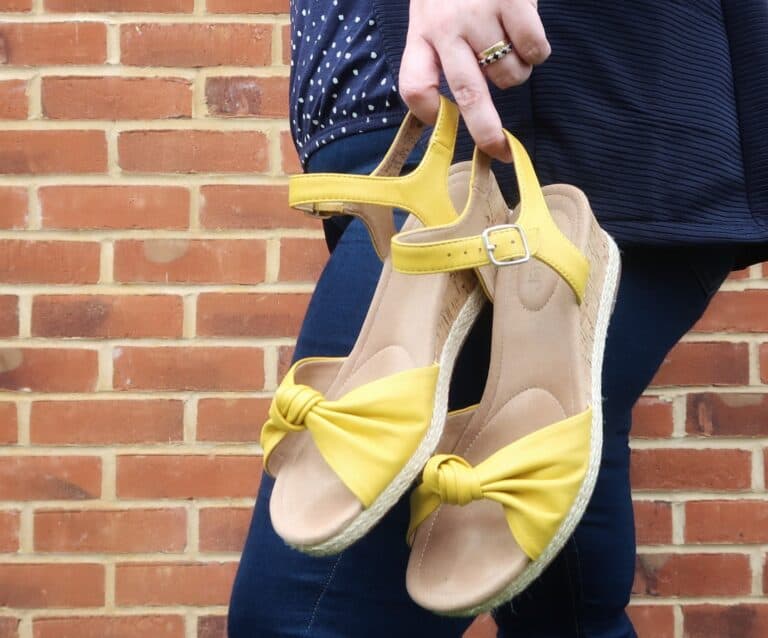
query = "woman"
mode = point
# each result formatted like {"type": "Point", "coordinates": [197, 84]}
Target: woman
{"type": "Point", "coordinates": [657, 110]}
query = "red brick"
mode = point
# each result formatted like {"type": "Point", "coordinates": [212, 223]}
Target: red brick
{"type": "Point", "coordinates": [653, 621]}
{"type": "Point", "coordinates": [731, 414]}
{"type": "Point", "coordinates": [8, 423]}
{"type": "Point", "coordinates": [186, 368]}
{"type": "Point", "coordinates": [291, 164]}
{"type": "Point", "coordinates": [107, 422]}
{"type": "Point", "coordinates": [9, 533]}
{"type": "Point", "coordinates": [725, 621]}
{"type": "Point", "coordinates": [229, 261]}
{"type": "Point", "coordinates": [652, 418]}
{"type": "Point", "coordinates": [764, 363]}
{"type": "Point", "coordinates": [48, 369]}
{"type": "Point", "coordinates": [738, 275]}
{"type": "Point", "coordinates": [211, 626]}
{"type": "Point", "coordinates": [302, 259]}
{"type": "Point", "coordinates": [107, 316]}
{"type": "Point", "coordinates": [9, 627]}
{"type": "Point", "coordinates": [13, 207]}
{"type": "Point", "coordinates": [252, 315]}
{"type": "Point", "coordinates": [236, 206]}
{"type": "Point", "coordinates": [653, 522]}
{"type": "Point", "coordinates": [116, 98]}
{"type": "Point", "coordinates": [51, 585]}
{"type": "Point", "coordinates": [736, 311]}
{"type": "Point", "coordinates": [765, 575]}
{"type": "Point", "coordinates": [247, 6]}
{"type": "Point", "coordinates": [692, 575]}
{"type": "Point", "coordinates": [114, 6]}
{"type": "Point", "coordinates": [193, 151]}
{"type": "Point", "coordinates": [482, 627]}
{"type": "Point", "coordinates": [114, 207]}
{"type": "Point", "coordinates": [45, 152]}
{"type": "Point", "coordinates": [231, 420]}
{"type": "Point", "coordinates": [27, 478]}
{"type": "Point", "coordinates": [196, 45]}
{"type": "Point", "coordinates": [113, 531]}
{"type": "Point", "coordinates": [48, 262]}
{"type": "Point", "coordinates": [195, 584]}
{"type": "Point", "coordinates": [691, 469]}
{"type": "Point", "coordinates": [247, 96]}
{"type": "Point", "coordinates": [224, 529]}
{"type": "Point", "coordinates": [726, 522]}
{"type": "Point", "coordinates": [13, 100]}
{"type": "Point", "coordinates": [284, 360]}
{"type": "Point", "coordinates": [187, 476]}
{"type": "Point", "coordinates": [15, 5]}
{"type": "Point", "coordinates": [132, 626]}
{"type": "Point", "coordinates": [705, 364]}
{"type": "Point", "coordinates": [39, 43]}
{"type": "Point", "coordinates": [9, 316]}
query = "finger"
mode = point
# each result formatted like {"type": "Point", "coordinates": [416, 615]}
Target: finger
{"type": "Point", "coordinates": [510, 70]}
{"type": "Point", "coordinates": [470, 90]}
{"type": "Point", "coordinates": [522, 22]}
{"type": "Point", "coordinates": [420, 79]}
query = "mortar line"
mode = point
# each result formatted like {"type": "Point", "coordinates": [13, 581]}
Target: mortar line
{"type": "Point", "coordinates": [25, 314]}
{"type": "Point", "coordinates": [23, 414]}
{"type": "Point", "coordinates": [189, 320]}
{"type": "Point", "coordinates": [677, 612]}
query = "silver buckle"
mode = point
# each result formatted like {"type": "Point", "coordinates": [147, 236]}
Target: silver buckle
{"type": "Point", "coordinates": [491, 247]}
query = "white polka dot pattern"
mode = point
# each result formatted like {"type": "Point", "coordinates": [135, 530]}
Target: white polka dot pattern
{"type": "Point", "coordinates": [340, 82]}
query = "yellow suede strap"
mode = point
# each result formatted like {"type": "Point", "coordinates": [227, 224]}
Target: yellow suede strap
{"type": "Point", "coordinates": [535, 479]}
{"type": "Point", "coordinates": [534, 234]}
{"type": "Point", "coordinates": [422, 192]}
{"type": "Point", "coordinates": [367, 435]}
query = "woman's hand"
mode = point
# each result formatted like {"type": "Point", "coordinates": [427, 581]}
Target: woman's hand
{"type": "Point", "coordinates": [450, 35]}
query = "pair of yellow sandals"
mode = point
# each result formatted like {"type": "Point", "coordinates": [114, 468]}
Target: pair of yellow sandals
{"type": "Point", "coordinates": [347, 437]}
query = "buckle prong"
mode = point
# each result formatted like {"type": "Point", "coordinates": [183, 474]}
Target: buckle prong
{"type": "Point", "coordinates": [490, 247]}
{"type": "Point", "coordinates": [324, 210]}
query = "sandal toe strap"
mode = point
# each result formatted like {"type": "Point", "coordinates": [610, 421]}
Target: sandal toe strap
{"type": "Point", "coordinates": [367, 435]}
{"type": "Point", "coordinates": [536, 479]}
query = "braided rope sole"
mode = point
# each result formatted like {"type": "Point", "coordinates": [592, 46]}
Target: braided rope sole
{"type": "Point", "coordinates": [410, 471]}
{"type": "Point", "coordinates": [605, 309]}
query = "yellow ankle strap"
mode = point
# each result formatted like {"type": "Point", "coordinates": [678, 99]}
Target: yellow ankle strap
{"type": "Point", "coordinates": [534, 234]}
{"type": "Point", "coordinates": [423, 192]}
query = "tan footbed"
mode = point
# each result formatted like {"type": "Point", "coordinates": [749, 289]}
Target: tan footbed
{"type": "Point", "coordinates": [464, 559]}
{"type": "Point", "coordinates": [410, 319]}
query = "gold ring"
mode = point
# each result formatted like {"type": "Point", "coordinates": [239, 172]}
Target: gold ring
{"type": "Point", "coordinates": [494, 53]}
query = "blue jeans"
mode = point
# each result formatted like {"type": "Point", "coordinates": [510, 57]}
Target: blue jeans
{"type": "Point", "coordinates": [360, 593]}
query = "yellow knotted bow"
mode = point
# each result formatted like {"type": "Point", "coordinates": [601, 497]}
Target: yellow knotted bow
{"type": "Point", "coordinates": [365, 436]}
{"type": "Point", "coordinates": [535, 479]}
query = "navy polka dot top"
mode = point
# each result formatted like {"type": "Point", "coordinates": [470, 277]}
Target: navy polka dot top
{"type": "Point", "coordinates": [340, 82]}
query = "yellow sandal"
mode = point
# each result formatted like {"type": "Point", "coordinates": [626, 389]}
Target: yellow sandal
{"type": "Point", "coordinates": [348, 436]}
{"type": "Point", "coordinates": [497, 505]}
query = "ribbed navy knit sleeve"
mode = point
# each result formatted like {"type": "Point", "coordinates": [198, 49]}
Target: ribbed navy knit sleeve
{"type": "Point", "coordinates": [658, 110]}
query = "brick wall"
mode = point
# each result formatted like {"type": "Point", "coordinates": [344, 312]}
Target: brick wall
{"type": "Point", "coordinates": [152, 284]}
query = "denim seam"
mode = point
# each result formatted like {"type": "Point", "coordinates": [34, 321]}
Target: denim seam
{"type": "Point", "coordinates": [327, 584]}
{"type": "Point", "coordinates": [572, 585]}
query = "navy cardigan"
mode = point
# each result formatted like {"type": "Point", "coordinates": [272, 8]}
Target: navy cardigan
{"type": "Point", "coordinates": [657, 109]}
